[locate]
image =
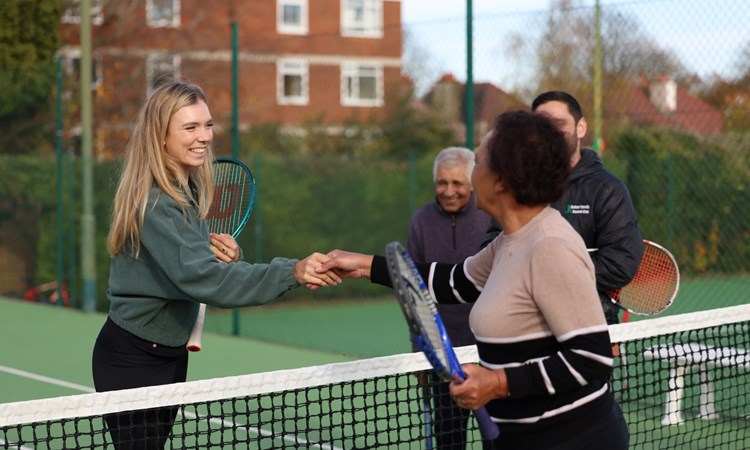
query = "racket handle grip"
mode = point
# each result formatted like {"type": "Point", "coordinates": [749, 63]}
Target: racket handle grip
{"type": "Point", "coordinates": [194, 343]}
{"type": "Point", "coordinates": [489, 429]}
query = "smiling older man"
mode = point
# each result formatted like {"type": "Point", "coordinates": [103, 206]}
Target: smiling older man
{"type": "Point", "coordinates": [450, 229]}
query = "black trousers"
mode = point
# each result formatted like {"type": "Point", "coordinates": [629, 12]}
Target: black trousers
{"type": "Point", "coordinates": [122, 360]}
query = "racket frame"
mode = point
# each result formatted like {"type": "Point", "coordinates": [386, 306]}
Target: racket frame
{"type": "Point", "coordinates": [194, 343]}
{"type": "Point", "coordinates": [616, 294]}
{"type": "Point", "coordinates": [412, 294]}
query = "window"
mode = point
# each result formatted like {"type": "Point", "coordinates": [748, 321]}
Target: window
{"type": "Point", "coordinates": [361, 85]}
{"type": "Point", "coordinates": [72, 12]}
{"type": "Point", "coordinates": [362, 18]}
{"type": "Point", "coordinates": [291, 16]}
{"type": "Point", "coordinates": [73, 68]}
{"type": "Point", "coordinates": [161, 69]}
{"type": "Point", "coordinates": [292, 82]}
{"type": "Point", "coordinates": [163, 13]}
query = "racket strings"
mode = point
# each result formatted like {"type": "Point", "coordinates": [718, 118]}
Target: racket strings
{"type": "Point", "coordinates": [231, 200]}
{"type": "Point", "coordinates": [654, 285]}
{"type": "Point", "coordinates": [423, 311]}
{"type": "Point", "coordinates": [431, 331]}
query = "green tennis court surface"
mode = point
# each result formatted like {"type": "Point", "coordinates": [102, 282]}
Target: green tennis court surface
{"type": "Point", "coordinates": [56, 343]}
{"type": "Point", "coordinates": [377, 402]}
{"type": "Point", "coordinates": [373, 407]}
{"type": "Point", "coordinates": [355, 328]}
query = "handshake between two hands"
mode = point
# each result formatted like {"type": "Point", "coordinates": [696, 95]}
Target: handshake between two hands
{"type": "Point", "coordinates": [319, 270]}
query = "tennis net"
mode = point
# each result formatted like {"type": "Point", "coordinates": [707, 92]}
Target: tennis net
{"type": "Point", "coordinates": [682, 382]}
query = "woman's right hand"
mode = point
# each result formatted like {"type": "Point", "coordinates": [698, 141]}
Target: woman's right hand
{"type": "Point", "coordinates": [348, 264]}
{"type": "Point", "coordinates": [308, 273]}
{"type": "Point", "coordinates": [481, 386]}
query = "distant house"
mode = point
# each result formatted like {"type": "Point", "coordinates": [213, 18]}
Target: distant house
{"type": "Point", "coordinates": [645, 103]}
{"type": "Point", "coordinates": [448, 98]}
{"type": "Point", "coordinates": [663, 103]}
{"type": "Point", "coordinates": [329, 59]}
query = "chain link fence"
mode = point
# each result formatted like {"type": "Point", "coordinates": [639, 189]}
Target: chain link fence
{"type": "Point", "coordinates": [665, 87]}
{"type": "Point", "coordinates": [670, 117]}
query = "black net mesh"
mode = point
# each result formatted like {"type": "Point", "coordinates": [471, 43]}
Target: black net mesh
{"type": "Point", "coordinates": [681, 381]}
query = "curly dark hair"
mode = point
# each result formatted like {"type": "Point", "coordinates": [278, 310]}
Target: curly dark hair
{"type": "Point", "coordinates": [531, 156]}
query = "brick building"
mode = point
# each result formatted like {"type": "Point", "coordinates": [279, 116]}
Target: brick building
{"type": "Point", "coordinates": [662, 102]}
{"type": "Point", "coordinates": [334, 60]}
{"type": "Point", "coordinates": [447, 97]}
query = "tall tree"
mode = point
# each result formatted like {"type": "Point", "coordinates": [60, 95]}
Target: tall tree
{"type": "Point", "coordinates": [29, 38]}
{"type": "Point", "coordinates": [418, 64]}
{"type": "Point", "coordinates": [563, 55]}
{"type": "Point", "coordinates": [732, 95]}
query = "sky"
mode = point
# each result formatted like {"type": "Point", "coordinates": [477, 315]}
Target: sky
{"type": "Point", "coordinates": [704, 34]}
{"type": "Point", "coordinates": [425, 10]}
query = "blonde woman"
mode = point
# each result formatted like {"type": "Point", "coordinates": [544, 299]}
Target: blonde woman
{"type": "Point", "coordinates": [162, 265]}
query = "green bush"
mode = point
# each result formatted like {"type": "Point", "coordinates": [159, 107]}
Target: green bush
{"type": "Point", "coordinates": [691, 195]}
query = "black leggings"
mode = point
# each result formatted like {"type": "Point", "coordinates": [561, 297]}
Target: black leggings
{"type": "Point", "coordinates": [122, 360]}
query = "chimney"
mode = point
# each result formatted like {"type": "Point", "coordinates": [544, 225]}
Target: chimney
{"type": "Point", "coordinates": [663, 94]}
{"type": "Point", "coordinates": [446, 98]}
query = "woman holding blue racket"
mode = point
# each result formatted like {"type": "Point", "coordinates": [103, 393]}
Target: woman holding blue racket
{"type": "Point", "coordinates": [543, 342]}
{"type": "Point", "coordinates": [165, 262]}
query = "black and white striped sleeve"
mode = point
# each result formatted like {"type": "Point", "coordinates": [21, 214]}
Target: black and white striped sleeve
{"type": "Point", "coordinates": [448, 283]}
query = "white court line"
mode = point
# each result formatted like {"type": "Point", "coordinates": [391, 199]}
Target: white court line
{"type": "Point", "coordinates": [262, 432]}
{"type": "Point", "coordinates": [44, 379]}
{"type": "Point", "coordinates": [82, 388]}
{"type": "Point", "coordinates": [15, 447]}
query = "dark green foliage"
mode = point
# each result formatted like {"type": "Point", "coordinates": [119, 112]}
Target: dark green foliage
{"type": "Point", "coordinates": [319, 203]}
{"type": "Point", "coordinates": [407, 129]}
{"type": "Point", "coordinates": [28, 187]}
{"type": "Point", "coordinates": [28, 42]}
{"type": "Point", "coordinates": [29, 38]}
{"type": "Point", "coordinates": [691, 194]}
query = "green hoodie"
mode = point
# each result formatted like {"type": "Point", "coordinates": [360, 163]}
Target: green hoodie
{"type": "Point", "coordinates": [156, 296]}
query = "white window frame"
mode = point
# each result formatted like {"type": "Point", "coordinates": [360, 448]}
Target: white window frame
{"type": "Point", "coordinates": [73, 66]}
{"type": "Point", "coordinates": [362, 18]}
{"type": "Point", "coordinates": [72, 13]}
{"type": "Point", "coordinates": [154, 22]}
{"type": "Point", "coordinates": [351, 73]}
{"type": "Point", "coordinates": [292, 67]}
{"type": "Point", "coordinates": [287, 28]}
{"type": "Point", "coordinates": [159, 64]}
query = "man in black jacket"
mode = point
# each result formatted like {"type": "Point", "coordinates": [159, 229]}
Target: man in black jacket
{"type": "Point", "coordinates": [597, 204]}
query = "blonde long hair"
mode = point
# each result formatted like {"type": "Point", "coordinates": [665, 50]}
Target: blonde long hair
{"type": "Point", "coordinates": [147, 163]}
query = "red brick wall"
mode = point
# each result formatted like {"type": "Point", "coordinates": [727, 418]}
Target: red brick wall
{"type": "Point", "coordinates": [123, 41]}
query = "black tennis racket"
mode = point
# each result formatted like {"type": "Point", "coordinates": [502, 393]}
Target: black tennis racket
{"type": "Point", "coordinates": [234, 196]}
{"type": "Point", "coordinates": [654, 285]}
{"type": "Point", "coordinates": [426, 325]}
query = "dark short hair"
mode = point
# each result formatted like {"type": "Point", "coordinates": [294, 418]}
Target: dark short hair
{"type": "Point", "coordinates": [574, 108]}
{"type": "Point", "coordinates": [531, 157]}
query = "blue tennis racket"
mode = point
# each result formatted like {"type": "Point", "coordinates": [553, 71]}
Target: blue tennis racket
{"type": "Point", "coordinates": [426, 325]}
{"type": "Point", "coordinates": [234, 196]}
